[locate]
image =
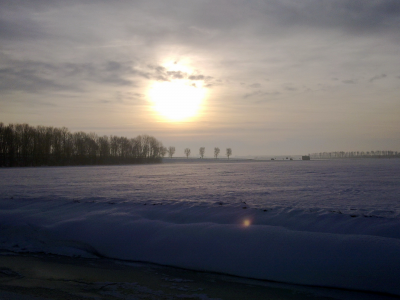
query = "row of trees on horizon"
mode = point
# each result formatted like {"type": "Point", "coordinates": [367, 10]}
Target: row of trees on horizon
{"type": "Point", "coordinates": [356, 154]}
{"type": "Point", "coordinates": [171, 151]}
{"type": "Point", "coordinates": [24, 145]}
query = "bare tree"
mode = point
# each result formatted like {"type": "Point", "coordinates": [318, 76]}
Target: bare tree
{"type": "Point", "coordinates": [171, 151]}
{"type": "Point", "coordinates": [202, 151]}
{"type": "Point", "coordinates": [24, 145]}
{"type": "Point", "coordinates": [187, 152]}
{"type": "Point", "coordinates": [163, 151]}
{"type": "Point", "coordinates": [228, 152]}
{"type": "Point", "coordinates": [216, 152]}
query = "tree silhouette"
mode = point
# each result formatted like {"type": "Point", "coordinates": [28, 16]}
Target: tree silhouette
{"type": "Point", "coordinates": [228, 152]}
{"type": "Point", "coordinates": [202, 151]}
{"type": "Point", "coordinates": [187, 152]}
{"type": "Point", "coordinates": [216, 152]}
{"type": "Point", "coordinates": [171, 151]}
{"type": "Point", "coordinates": [163, 151]}
{"type": "Point", "coordinates": [357, 154]}
{"type": "Point", "coordinates": [24, 145]}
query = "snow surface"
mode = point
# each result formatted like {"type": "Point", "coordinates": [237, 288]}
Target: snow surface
{"type": "Point", "coordinates": [324, 223]}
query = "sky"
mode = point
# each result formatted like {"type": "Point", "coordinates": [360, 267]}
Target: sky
{"type": "Point", "coordinates": [271, 77]}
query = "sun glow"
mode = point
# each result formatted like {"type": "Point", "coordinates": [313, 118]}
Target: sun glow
{"type": "Point", "coordinates": [176, 100]}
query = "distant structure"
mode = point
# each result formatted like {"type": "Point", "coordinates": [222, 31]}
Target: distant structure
{"type": "Point", "coordinates": [305, 157]}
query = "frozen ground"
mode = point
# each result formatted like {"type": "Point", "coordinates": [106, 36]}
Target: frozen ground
{"type": "Point", "coordinates": [325, 223]}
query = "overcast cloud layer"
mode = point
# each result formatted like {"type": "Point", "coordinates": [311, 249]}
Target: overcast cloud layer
{"type": "Point", "coordinates": [282, 77]}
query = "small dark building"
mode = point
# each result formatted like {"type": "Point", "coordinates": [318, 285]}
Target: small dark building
{"type": "Point", "coordinates": [305, 157]}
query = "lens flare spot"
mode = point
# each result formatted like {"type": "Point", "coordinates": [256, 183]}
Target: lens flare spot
{"type": "Point", "coordinates": [246, 223]}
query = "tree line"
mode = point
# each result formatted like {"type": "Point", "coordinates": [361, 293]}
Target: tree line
{"type": "Point", "coordinates": [356, 154]}
{"type": "Point", "coordinates": [24, 145]}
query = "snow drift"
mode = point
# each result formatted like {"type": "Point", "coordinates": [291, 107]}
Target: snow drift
{"type": "Point", "coordinates": [287, 245]}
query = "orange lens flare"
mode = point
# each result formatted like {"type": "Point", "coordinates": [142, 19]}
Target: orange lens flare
{"type": "Point", "coordinates": [246, 223]}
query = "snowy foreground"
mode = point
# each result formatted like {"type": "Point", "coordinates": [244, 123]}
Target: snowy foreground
{"type": "Point", "coordinates": [358, 248]}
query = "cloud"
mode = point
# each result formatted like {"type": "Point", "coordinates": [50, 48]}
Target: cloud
{"type": "Point", "coordinates": [29, 77]}
{"type": "Point", "coordinates": [376, 77]}
{"type": "Point", "coordinates": [201, 77]}
{"type": "Point", "coordinates": [349, 81]}
{"type": "Point", "coordinates": [17, 23]}
{"type": "Point", "coordinates": [203, 23]}
{"type": "Point", "coordinates": [290, 88]}
{"type": "Point", "coordinates": [255, 85]}
{"type": "Point", "coordinates": [112, 66]}
{"type": "Point", "coordinates": [197, 77]}
{"type": "Point", "coordinates": [176, 74]}
{"type": "Point", "coordinates": [351, 17]}
{"type": "Point", "coordinates": [253, 94]}
{"type": "Point", "coordinates": [21, 29]}
{"type": "Point", "coordinates": [35, 76]}
{"type": "Point", "coordinates": [162, 74]}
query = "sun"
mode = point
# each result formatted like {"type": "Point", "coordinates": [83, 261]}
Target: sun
{"type": "Point", "coordinates": [176, 100]}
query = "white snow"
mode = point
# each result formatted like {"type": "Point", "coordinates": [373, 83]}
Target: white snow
{"type": "Point", "coordinates": [285, 231]}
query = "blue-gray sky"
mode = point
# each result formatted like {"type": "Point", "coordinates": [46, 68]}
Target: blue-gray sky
{"type": "Point", "coordinates": [281, 77]}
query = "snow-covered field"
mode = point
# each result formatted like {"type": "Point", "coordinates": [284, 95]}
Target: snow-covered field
{"type": "Point", "coordinates": [325, 223]}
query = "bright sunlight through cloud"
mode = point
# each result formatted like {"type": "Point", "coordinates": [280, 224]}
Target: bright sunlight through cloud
{"type": "Point", "coordinates": [177, 99]}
